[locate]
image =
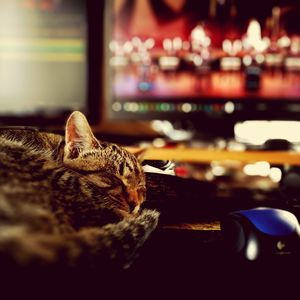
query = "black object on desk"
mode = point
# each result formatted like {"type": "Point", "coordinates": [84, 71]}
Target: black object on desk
{"type": "Point", "coordinates": [290, 189]}
{"type": "Point", "coordinates": [179, 198]}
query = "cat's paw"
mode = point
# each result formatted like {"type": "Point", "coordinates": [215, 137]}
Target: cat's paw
{"type": "Point", "coordinates": [149, 217]}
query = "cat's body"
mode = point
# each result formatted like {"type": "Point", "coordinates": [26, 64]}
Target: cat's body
{"type": "Point", "coordinates": [69, 201]}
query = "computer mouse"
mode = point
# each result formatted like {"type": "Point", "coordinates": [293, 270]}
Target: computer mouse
{"type": "Point", "coordinates": [261, 232]}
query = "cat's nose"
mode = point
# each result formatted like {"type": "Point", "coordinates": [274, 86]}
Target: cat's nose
{"type": "Point", "coordinates": [133, 196]}
{"type": "Point", "coordinates": [133, 208]}
{"type": "Point", "coordinates": [134, 200]}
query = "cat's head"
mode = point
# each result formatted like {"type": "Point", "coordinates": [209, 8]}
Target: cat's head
{"type": "Point", "coordinates": [93, 158]}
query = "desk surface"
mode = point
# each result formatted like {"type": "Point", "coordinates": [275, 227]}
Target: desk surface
{"type": "Point", "coordinates": [196, 226]}
{"type": "Point", "coordinates": [194, 155]}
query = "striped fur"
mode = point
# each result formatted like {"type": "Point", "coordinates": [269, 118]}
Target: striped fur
{"type": "Point", "coordinates": [70, 200]}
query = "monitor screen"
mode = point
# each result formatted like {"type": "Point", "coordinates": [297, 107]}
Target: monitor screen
{"type": "Point", "coordinates": [43, 58]}
{"type": "Point", "coordinates": [170, 59]}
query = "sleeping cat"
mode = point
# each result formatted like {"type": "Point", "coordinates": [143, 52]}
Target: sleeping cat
{"type": "Point", "coordinates": [70, 201]}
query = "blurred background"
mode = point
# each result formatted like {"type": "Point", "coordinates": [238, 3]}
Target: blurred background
{"type": "Point", "coordinates": [194, 64]}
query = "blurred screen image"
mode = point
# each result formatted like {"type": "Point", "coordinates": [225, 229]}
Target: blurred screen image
{"type": "Point", "coordinates": [42, 56]}
{"type": "Point", "coordinates": [201, 50]}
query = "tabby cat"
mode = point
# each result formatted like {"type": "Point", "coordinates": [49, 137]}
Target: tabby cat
{"type": "Point", "coordinates": [70, 201]}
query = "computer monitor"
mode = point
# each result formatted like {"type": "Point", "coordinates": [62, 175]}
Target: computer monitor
{"type": "Point", "coordinates": [45, 61]}
{"type": "Point", "coordinates": [210, 61]}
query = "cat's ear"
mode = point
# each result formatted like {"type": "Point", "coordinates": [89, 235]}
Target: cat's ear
{"type": "Point", "coordinates": [78, 136]}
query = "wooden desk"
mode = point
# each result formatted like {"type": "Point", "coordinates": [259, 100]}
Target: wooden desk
{"type": "Point", "coordinates": [206, 156]}
{"type": "Point", "coordinates": [201, 226]}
